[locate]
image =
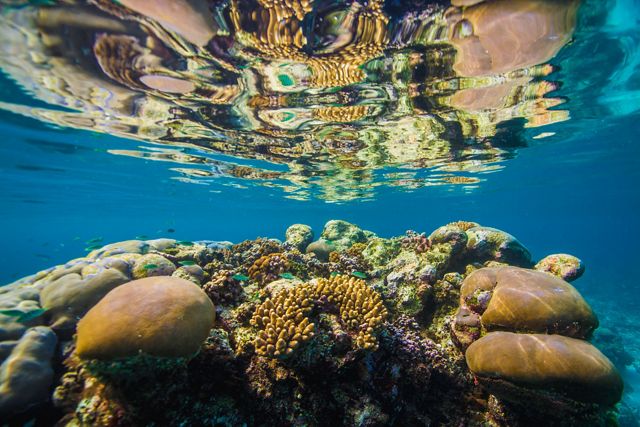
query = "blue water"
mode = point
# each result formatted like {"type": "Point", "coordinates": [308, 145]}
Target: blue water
{"type": "Point", "coordinates": [577, 191]}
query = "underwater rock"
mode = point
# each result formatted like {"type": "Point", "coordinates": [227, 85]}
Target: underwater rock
{"type": "Point", "coordinates": [564, 266]}
{"type": "Point", "coordinates": [193, 273]}
{"type": "Point", "coordinates": [161, 244]}
{"type": "Point", "coordinates": [321, 249]}
{"type": "Point", "coordinates": [26, 375]}
{"type": "Point", "coordinates": [150, 265]}
{"type": "Point", "coordinates": [103, 264]}
{"type": "Point", "coordinates": [70, 297]}
{"type": "Point", "coordinates": [299, 236]}
{"type": "Point", "coordinates": [170, 317]}
{"type": "Point", "coordinates": [16, 305]}
{"type": "Point", "coordinates": [486, 243]}
{"type": "Point", "coordinates": [553, 362]}
{"type": "Point", "coordinates": [215, 244]}
{"type": "Point", "coordinates": [124, 247]}
{"type": "Point", "coordinates": [517, 299]}
{"type": "Point", "coordinates": [451, 235]}
{"type": "Point", "coordinates": [379, 252]}
{"type": "Point", "coordinates": [342, 234]}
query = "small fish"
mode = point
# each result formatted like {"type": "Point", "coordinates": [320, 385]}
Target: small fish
{"type": "Point", "coordinates": [30, 315]}
{"type": "Point", "coordinates": [150, 266]}
{"type": "Point", "coordinates": [240, 277]}
{"type": "Point", "coordinates": [186, 262]}
{"type": "Point", "coordinates": [142, 237]}
{"type": "Point", "coordinates": [287, 276]}
{"type": "Point", "coordinates": [92, 247]}
{"type": "Point", "coordinates": [359, 274]}
{"type": "Point", "coordinates": [171, 230]}
{"type": "Point", "coordinates": [43, 256]}
{"type": "Point", "coordinates": [184, 243]}
{"type": "Point", "coordinates": [22, 316]}
{"type": "Point", "coordinates": [94, 240]}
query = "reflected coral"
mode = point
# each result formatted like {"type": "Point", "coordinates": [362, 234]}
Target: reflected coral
{"type": "Point", "coordinates": [346, 96]}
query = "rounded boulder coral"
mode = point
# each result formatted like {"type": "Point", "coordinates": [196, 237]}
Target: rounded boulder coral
{"type": "Point", "coordinates": [157, 316]}
{"type": "Point", "coordinates": [572, 366]}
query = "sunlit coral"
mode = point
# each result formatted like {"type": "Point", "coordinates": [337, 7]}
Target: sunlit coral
{"type": "Point", "coordinates": [267, 268]}
{"type": "Point", "coordinates": [283, 322]}
{"type": "Point", "coordinates": [361, 308]}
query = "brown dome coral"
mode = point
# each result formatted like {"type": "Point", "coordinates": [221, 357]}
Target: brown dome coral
{"type": "Point", "coordinates": [517, 299]}
{"type": "Point", "coordinates": [572, 366]}
{"type": "Point", "coordinates": [158, 316]}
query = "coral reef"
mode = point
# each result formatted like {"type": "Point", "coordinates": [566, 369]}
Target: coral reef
{"type": "Point", "coordinates": [361, 330]}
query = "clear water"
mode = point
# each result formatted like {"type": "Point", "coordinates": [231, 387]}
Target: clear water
{"type": "Point", "coordinates": [99, 154]}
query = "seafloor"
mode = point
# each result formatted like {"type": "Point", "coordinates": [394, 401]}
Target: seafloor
{"type": "Point", "coordinates": [460, 327]}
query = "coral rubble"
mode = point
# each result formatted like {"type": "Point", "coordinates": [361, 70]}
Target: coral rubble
{"type": "Point", "coordinates": [439, 329]}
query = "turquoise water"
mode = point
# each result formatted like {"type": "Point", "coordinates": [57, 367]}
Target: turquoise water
{"type": "Point", "coordinates": [74, 168]}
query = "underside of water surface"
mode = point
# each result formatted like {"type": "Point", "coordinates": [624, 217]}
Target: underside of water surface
{"type": "Point", "coordinates": [209, 210]}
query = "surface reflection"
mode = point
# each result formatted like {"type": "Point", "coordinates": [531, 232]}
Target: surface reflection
{"type": "Point", "coordinates": [347, 96]}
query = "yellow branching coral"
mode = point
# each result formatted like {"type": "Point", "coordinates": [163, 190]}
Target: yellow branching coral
{"type": "Point", "coordinates": [283, 322]}
{"type": "Point", "coordinates": [267, 268]}
{"type": "Point", "coordinates": [361, 307]}
{"type": "Point", "coordinates": [343, 114]}
{"type": "Point", "coordinates": [463, 225]}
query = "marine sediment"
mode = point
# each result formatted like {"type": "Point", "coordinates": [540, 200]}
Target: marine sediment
{"type": "Point", "coordinates": [455, 327]}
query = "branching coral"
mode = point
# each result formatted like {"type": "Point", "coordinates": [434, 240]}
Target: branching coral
{"type": "Point", "coordinates": [267, 268]}
{"type": "Point", "coordinates": [361, 308]}
{"type": "Point", "coordinates": [283, 322]}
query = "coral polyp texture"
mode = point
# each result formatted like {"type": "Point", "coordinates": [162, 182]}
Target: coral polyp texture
{"type": "Point", "coordinates": [352, 329]}
{"type": "Point", "coordinates": [267, 268]}
{"type": "Point", "coordinates": [361, 308]}
{"type": "Point", "coordinates": [283, 322]}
